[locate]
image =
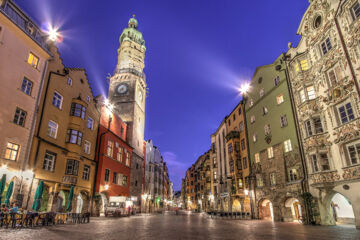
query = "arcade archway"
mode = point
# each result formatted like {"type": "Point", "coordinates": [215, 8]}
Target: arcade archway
{"type": "Point", "coordinates": [294, 209]}
{"type": "Point", "coordinates": [266, 211]}
{"type": "Point", "coordinates": [342, 209]}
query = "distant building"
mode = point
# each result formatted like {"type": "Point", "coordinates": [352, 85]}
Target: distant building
{"type": "Point", "coordinates": [24, 55]}
{"type": "Point", "coordinates": [158, 192]}
{"type": "Point", "coordinates": [237, 157]}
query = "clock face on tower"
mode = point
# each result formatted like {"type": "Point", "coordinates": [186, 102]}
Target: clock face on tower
{"type": "Point", "coordinates": [121, 88]}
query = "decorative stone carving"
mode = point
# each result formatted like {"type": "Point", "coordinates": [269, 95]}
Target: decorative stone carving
{"type": "Point", "coordinates": [325, 177]}
{"type": "Point", "coordinates": [318, 141]}
{"type": "Point", "coordinates": [347, 132]}
{"type": "Point", "coordinates": [351, 173]}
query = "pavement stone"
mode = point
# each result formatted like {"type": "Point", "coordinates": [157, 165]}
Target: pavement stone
{"type": "Point", "coordinates": [183, 226]}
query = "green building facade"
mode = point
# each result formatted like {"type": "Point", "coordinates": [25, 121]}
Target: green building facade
{"type": "Point", "coordinates": [273, 145]}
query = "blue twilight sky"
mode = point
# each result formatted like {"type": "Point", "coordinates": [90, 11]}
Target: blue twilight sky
{"type": "Point", "coordinates": [198, 53]}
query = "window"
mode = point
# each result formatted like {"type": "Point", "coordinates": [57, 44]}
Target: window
{"type": "Point", "coordinates": [241, 126]}
{"type": "Point", "coordinates": [72, 167]}
{"type": "Point", "coordinates": [52, 129]}
{"type": "Point", "coordinates": [230, 148]}
{"type": "Point", "coordinates": [264, 110]}
{"type": "Point", "coordinates": [259, 180]}
{"type": "Point", "coordinates": [346, 113]}
{"type": "Point", "coordinates": [33, 60]}
{"type": "Point", "coordinates": [283, 121]}
{"type": "Point", "coordinates": [251, 102]}
{"type": "Point", "coordinates": [317, 22]}
{"type": "Point", "coordinates": [69, 81]}
{"type": "Point", "coordinates": [314, 163]}
{"type": "Point", "coordinates": [272, 179]}
{"type": "Point", "coordinates": [304, 65]}
{"type": "Point", "coordinates": [239, 111]}
{"type": "Point", "coordinates": [287, 145]}
{"type": "Point", "coordinates": [324, 162]}
{"type": "Point", "coordinates": [254, 137]}
{"type": "Point", "coordinates": [355, 10]}
{"type": "Point", "coordinates": [26, 86]}
{"type": "Point", "coordinates": [267, 129]}
{"type": "Point", "coordinates": [87, 147]}
{"type": "Point", "coordinates": [270, 152]}
{"type": "Point", "coordinates": [74, 136]}
{"type": "Point", "coordinates": [88, 98]}
{"type": "Point", "coordinates": [239, 164]}
{"type": "Point", "coordinates": [229, 122]}
{"type": "Point", "coordinates": [308, 128]}
{"type": "Point", "coordinates": [257, 157]}
{"type": "Point", "coordinates": [127, 163]}
{"type": "Point", "coordinates": [107, 175]}
{"type": "Point", "coordinates": [90, 123]}
{"type": "Point", "coordinates": [240, 183]}
{"type": "Point", "coordinates": [332, 76]}
{"type": "Point", "coordinates": [125, 180]}
{"type": "Point", "coordinates": [114, 178]}
{"type": "Point", "coordinates": [297, 68]}
{"type": "Point", "coordinates": [310, 92]}
{"type": "Point", "coordinates": [245, 163]}
{"type": "Point", "coordinates": [252, 119]}
{"type": "Point", "coordinates": [109, 149]}
{"type": "Point", "coordinates": [293, 175]}
{"type": "Point", "coordinates": [19, 117]}
{"type": "Point", "coordinates": [277, 80]}
{"type": "Point", "coordinates": [214, 175]}
{"type": "Point", "coordinates": [12, 151]}
{"type": "Point", "coordinates": [234, 117]}
{"type": "Point", "coordinates": [119, 154]}
{"type": "Point", "coordinates": [86, 173]}
{"type": "Point", "coordinates": [317, 125]}
{"type": "Point", "coordinates": [302, 95]}
{"type": "Point", "coordinates": [262, 92]}
{"type": "Point", "coordinates": [77, 110]}
{"type": "Point", "coordinates": [354, 153]}
{"type": "Point", "coordinates": [326, 46]}
{"type": "Point", "coordinates": [280, 99]}
{"type": "Point", "coordinates": [57, 100]}
{"type": "Point", "coordinates": [242, 144]}
{"type": "Point", "coordinates": [49, 161]}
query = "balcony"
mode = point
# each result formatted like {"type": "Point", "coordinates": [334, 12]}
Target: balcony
{"type": "Point", "coordinates": [325, 177]}
{"type": "Point", "coordinates": [351, 173]}
{"type": "Point", "coordinates": [232, 135]}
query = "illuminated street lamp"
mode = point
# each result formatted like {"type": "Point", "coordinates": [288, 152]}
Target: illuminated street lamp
{"type": "Point", "coordinates": [244, 88]}
{"type": "Point", "coordinates": [107, 187]}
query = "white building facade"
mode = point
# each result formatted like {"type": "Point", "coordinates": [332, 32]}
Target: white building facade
{"type": "Point", "coordinates": [324, 75]}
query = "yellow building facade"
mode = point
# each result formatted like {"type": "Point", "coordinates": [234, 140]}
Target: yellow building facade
{"type": "Point", "coordinates": [63, 150]}
{"type": "Point", "coordinates": [237, 157]}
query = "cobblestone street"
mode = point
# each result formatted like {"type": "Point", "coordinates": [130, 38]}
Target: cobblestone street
{"type": "Point", "coordinates": [183, 226]}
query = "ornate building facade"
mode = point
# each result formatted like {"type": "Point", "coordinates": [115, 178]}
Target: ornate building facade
{"type": "Point", "coordinates": [127, 91]}
{"type": "Point", "coordinates": [324, 75]}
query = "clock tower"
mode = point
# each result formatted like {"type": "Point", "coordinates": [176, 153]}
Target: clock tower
{"type": "Point", "coordinates": [127, 92]}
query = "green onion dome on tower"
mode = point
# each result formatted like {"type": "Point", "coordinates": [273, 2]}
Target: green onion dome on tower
{"type": "Point", "coordinates": [131, 33]}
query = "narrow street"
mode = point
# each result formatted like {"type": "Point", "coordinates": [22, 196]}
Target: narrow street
{"type": "Point", "coordinates": [183, 226]}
